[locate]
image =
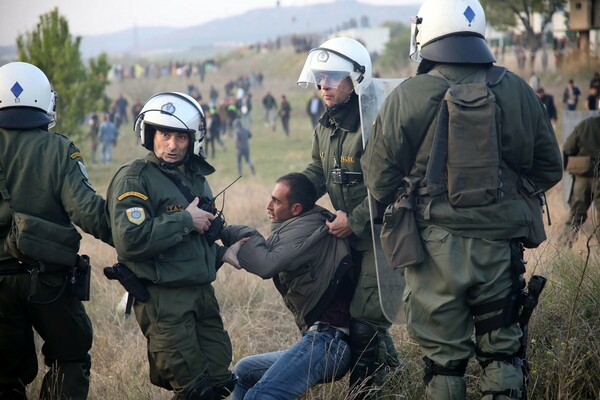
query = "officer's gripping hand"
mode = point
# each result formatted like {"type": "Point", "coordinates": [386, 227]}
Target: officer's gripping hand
{"type": "Point", "coordinates": [339, 227]}
{"type": "Point", "coordinates": [200, 218]}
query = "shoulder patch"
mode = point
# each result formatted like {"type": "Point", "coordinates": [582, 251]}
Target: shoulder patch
{"type": "Point", "coordinates": [134, 194]}
{"type": "Point", "coordinates": [136, 167]}
{"type": "Point", "coordinates": [83, 170]}
{"type": "Point", "coordinates": [136, 215]}
{"type": "Point", "coordinates": [76, 155]}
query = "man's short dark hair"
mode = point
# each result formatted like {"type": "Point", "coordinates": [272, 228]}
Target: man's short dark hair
{"type": "Point", "coordinates": [301, 190]}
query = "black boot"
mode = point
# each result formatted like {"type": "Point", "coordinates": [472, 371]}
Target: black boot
{"type": "Point", "coordinates": [364, 346]}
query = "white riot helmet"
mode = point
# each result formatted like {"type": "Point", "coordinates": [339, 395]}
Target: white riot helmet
{"type": "Point", "coordinates": [27, 100]}
{"type": "Point", "coordinates": [450, 31]}
{"type": "Point", "coordinates": [337, 59]}
{"type": "Point", "coordinates": [173, 112]}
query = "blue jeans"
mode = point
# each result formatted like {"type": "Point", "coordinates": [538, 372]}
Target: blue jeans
{"type": "Point", "coordinates": [317, 357]}
{"type": "Point", "coordinates": [106, 149]}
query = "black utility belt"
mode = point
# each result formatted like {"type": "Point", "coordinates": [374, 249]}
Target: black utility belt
{"type": "Point", "coordinates": [14, 266]}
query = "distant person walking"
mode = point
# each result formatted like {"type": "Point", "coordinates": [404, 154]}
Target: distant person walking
{"type": "Point", "coordinates": [595, 82]}
{"type": "Point", "coordinates": [285, 112]}
{"type": "Point", "coordinates": [242, 145]}
{"type": "Point", "coordinates": [213, 95]}
{"type": "Point", "coordinates": [232, 112]}
{"type": "Point", "coordinates": [245, 107]}
{"type": "Point", "coordinates": [122, 104]}
{"type": "Point", "coordinates": [136, 108]}
{"type": "Point", "coordinates": [592, 99]}
{"type": "Point", "coordinates": [315, 108]}
{"type": "Point", "coordinates": [94, 127]}
{"type": "Point", "coordinates": [571, 96]}
{"type": "Point", "coordinates": [270, 105]}
{"type": "Point", "coordinates": [107, 135]}
{"type": "Point", "coordinates": [213, 122]}
{"type": "Point", "coordinates": [548, 101]}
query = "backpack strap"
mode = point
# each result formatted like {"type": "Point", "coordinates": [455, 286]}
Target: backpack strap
{"type": "Point", "coordinates": [494, 75]}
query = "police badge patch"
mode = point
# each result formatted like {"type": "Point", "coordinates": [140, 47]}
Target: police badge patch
{"type": "Point", "coordinates": [136, 215]}
{"type": "Point", "coordinates": [84, 172]}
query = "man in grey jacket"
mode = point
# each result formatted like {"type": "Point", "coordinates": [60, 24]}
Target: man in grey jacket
{"type": "Point", "coordinates": [310, 269]}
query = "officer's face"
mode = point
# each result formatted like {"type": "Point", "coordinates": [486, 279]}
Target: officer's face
{"type": "Point", "coordinates": [336, 95]}
{"type": "Point", "coordinates": [171, 146]}
{"type": "Point", "coordinates": [278, 208]}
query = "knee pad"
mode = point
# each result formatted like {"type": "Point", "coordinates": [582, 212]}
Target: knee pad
{"type": "Point", "coordinates": [201, 390]}
{"type": "Point", "coordinates": [432, 369]}
{"type": "Point", "coordinates": [504, 376]}
{"type": "Point", "coordinates": [224, 389]}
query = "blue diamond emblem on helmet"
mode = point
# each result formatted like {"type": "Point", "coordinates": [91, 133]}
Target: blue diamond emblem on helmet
{"type": "Point", "coordinates": [469, 14]}
{"type": "Point", "coordinates": [16, 89]}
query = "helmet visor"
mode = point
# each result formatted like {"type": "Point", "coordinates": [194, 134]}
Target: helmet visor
{"type": "Point", "coordinates": [328, 79]}
{"type": "Point", "coordinates": [414, 53]}
{"type": "Point", "coordinates": [324, 67]}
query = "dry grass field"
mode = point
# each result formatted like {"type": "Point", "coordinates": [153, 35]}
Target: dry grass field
{"type": "Point", "coordinates": [563, 327]}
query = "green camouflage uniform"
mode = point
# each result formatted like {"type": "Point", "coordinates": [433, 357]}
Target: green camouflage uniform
{"type": "Point", "coordinates": [154, 237]}
{"type": "Point", "coordinates": [46, 178]}
{"type": "Point", "coordinates": [467, 260]}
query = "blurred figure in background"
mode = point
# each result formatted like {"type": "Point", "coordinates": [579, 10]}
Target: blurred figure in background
{"type": "Point", "coordinates": [270, 105]}
{"type": "Point", "coordinates": [107, 135]}
{"type": "Point", "coordinates": [285, 112]}
{"type": "Point", "coordinates": [548, 101]}
{"type": "Point", "coordinates": [242, 137]}
{"type": "Point", "coordinates": [571, 96]}
{"type": "Point", "coordinates": [314, 109]}
{"type": "Point", "coordinates": [94, 125]}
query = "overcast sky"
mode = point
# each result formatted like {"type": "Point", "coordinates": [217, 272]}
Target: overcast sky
{"type": "Point", "coordinates": [91, 17]}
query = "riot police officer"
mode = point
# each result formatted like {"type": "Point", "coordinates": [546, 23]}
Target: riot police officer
{"type": "Point", "coordinates": [341, 69]}
{"type": "Point", "coordinates": [472, 267]}
{"type": "Point", "coordinates": [43, 176]}
{"type": "Point", "coordinates": [160, 233]}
